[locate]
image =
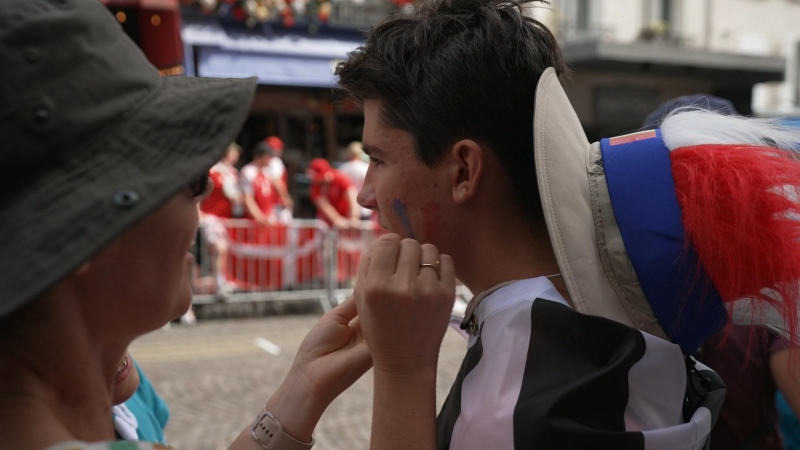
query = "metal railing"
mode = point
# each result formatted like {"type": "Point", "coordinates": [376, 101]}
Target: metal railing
{"type": "Point", "coordinates": [241, 261]}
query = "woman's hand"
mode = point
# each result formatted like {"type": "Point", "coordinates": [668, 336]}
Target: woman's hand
{"type": "Point", "coordinates": [396, 318]}
{"type": "Point", "coordinates": [332, 357]}
{"type": "Point", "coordinates": [333, 354]}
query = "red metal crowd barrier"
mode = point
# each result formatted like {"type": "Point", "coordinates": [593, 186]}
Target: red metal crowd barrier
{"type": "Point", "coordinates": [277, 257]}
{"type": "Point", "coordinates": [350, 244]}
{"type": "Point", "coordinates": [238, 258]}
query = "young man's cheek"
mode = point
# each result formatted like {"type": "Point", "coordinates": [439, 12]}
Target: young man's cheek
{"type": "Point", "coordinates": [431, 221]}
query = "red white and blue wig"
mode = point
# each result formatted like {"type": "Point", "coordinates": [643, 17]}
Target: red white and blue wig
{"type": "Point", "coordinates": [707, 209]}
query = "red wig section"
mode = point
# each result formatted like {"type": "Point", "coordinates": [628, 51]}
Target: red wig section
{"type": "Point", "coordinates": [740, 209]}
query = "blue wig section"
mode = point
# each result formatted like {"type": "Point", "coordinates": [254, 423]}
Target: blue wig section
{"type": "Point", "coordinates": [639, 178]}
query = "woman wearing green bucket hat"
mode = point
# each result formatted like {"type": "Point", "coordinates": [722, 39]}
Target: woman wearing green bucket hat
{"type": "Point", "coordinates": [110, 162]}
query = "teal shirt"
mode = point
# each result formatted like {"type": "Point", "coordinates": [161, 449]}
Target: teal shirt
{"type": "Point", "coordinates": [150, 410]}
{"type": "Point", "coordinates": [790, 427]}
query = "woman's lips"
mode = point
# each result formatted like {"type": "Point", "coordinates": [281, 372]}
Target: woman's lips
{"type": "Point", "coordinates": [124, 369]}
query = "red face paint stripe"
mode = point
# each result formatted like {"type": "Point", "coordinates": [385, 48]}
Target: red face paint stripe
{"type": "Point", "coordinates": [430, 217]}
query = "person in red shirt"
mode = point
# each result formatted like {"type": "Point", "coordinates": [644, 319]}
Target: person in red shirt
{"type": "Point", "coordinates": [333, 194]}
{"type": "Point", "coordinates": [225, 199]}
{"type": "Point", "coordinates": [265, 197]}
{"type": "Point", "coordinates": [277, 170]}
{"type": "Point", "coordinates": [267, 160]}
{"type": "Point", "coordinates": [275, 167]}
{"type": "Point", "coordinates": [258, 188]}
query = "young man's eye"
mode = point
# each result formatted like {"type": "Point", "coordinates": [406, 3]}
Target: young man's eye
{"type": "Point", "coordinates": [375, 161]}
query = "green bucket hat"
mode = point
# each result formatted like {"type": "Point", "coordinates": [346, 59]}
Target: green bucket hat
{"type": "Point", "coordinates": [92, 137]}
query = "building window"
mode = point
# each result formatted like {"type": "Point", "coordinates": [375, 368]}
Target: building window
{"type": "Point", "coordinates": [579, 19]}
{"type": "Point", "coordinates": [661, 19]}
{"type": "Point", "coordinates": [582, 22]}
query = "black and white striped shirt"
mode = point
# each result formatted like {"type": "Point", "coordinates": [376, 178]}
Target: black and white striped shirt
{"type": "Point", "coordinates": [540, 375]}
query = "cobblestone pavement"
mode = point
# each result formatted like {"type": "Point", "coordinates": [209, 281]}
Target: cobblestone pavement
{"type": "Point", "coordinates": [216, 376]}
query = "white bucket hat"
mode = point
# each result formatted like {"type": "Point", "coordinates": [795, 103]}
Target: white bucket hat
{"type": "Point", "coordinates": [625, 259]}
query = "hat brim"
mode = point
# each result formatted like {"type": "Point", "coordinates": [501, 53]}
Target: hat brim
{"type": "Point", "coordinates": [583, 232]}
{"type": "Point", "coordinates": [64, 218]}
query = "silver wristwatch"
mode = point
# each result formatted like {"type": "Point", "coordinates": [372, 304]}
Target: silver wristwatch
{"type": "Point", "coordinates": [268, 432]}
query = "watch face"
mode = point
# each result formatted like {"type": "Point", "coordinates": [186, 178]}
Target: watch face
{"type": "Point", "coordinates": [264, 429]}
{"type": "Point", "coordinates": [269, 434]}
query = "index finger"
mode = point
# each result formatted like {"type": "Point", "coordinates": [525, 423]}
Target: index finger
{"type": "Point", "coordinates": [345, 311]}
{"type": "Point", "coordinates": [383, 255]}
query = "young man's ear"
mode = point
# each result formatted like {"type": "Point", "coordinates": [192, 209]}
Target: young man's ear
{"type": "Point", "coordinates": [468, 157]}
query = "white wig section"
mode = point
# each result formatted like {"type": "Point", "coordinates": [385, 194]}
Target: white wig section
{"type": "Point", "coordinates": [689, 126]}
{"type": "Point", "coordinates": [744, 312]}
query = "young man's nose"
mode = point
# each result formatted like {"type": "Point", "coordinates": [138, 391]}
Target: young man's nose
{"type": "Point", "coordinates": [366, 197]}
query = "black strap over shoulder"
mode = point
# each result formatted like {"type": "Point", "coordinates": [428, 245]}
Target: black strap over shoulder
{"type": "Point", "coordinates": [704, 389]}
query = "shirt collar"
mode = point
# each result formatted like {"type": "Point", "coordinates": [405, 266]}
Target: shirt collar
{"type": "Point", "coordinates": [509, 292]}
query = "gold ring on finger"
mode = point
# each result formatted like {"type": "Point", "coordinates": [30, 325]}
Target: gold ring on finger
{"type": "Point", "coordinates": [434, 266]}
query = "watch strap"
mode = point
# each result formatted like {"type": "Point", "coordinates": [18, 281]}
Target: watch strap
{"type": "Point", "coordinates": [268, 432]}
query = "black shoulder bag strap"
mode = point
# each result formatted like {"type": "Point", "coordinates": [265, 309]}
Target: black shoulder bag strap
{"type": "Point", "coordinates": [704, 388]}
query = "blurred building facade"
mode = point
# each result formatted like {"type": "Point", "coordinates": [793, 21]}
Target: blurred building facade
{"type": "Point", "coordinates": [629, 56]}
{"type": "Point", "coordinates": [293, 48]}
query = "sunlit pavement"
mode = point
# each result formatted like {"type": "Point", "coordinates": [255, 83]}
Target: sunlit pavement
{"type": "Point", "coordinates": [217, 375]}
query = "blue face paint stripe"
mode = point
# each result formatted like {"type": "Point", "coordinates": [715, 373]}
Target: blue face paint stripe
{"type": "Point", "coordinates": [402, 213]}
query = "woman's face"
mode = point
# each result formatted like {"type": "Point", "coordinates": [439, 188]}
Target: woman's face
{"type": "Point", "coordinates": [141, 280]}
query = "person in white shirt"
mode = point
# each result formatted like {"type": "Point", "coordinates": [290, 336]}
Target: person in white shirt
{"type": "Point", "coordinates": [598, 267]}
{"type": "Point", "coordinates": [274, 200]}
{"type": "Point", "coordinates": [356, 169]}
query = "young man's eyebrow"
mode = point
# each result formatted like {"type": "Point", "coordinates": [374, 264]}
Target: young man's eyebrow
{"type": "Point", "coordinates": [371, 150]}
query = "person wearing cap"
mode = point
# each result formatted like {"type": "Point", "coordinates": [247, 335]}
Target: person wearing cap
{"type": "Point", "coordinates": [693, 101]}
{"type": "Point", "coordinates": [96, 230]}
{"type": "Point", "coordinates": [267, 160]}
{"type": "Point", "coordinates": [265, 194]}
{"type": "Point", "coordinates": [258, 188]}
{"type": "Point", "coordinates": [276, 167]}
{"type": "Point", "coordinates": [598, 267]}
{"type": "Point", "coordinates": [333, 194]}
{"type": "Point", "coordinates": [277, 170]}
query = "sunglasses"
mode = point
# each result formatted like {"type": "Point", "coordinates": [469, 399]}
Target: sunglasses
{"type": "Point", "coordinates": [198, 186]}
